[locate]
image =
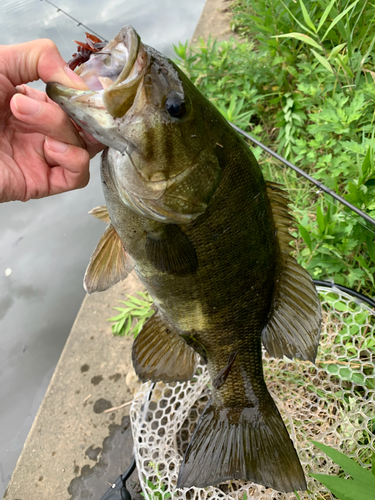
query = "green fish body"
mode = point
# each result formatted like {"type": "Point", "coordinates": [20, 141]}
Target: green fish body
{"type": "Point", "coordinates": [189, 210]}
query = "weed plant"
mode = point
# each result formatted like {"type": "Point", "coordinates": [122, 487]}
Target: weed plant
{"type": "Point", "coordinates": [133, 316]}
{"type": "Point", "coordinates": [362, 485]}
{"type": "Point", "coordinates": [302, 82]}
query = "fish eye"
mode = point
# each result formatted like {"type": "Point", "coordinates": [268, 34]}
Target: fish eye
{"type": "Point", "coordinates": [175, 105]}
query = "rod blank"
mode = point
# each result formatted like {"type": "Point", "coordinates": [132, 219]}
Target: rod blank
{"type": "Point", "coordinates": [307, 176]}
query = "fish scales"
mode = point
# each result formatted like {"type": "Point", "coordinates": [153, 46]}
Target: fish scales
{"type": "Point", "coordinates": [233, 283]}
{"type": "Point", "coordinates": [209, 238]}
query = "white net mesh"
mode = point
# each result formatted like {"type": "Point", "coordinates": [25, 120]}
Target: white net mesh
{"type": "Point", "coordinates": [332, 402]}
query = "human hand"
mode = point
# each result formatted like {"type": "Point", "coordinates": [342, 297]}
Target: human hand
{"type": "Point", "coordinates": [41, 151]}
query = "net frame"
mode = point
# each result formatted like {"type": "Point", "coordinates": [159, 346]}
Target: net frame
{"type": "Point", "coordinates": [332, 402]}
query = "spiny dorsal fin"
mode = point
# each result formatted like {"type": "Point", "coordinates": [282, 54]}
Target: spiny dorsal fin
{"type": "Point", "coordinates": [108, 264]}
{"type": "Point", "coordinates": [101, 213]}
{"type": "Point", "coordinates": [159, 353]}
{"type": "Point", "coordinates": [293, 328]}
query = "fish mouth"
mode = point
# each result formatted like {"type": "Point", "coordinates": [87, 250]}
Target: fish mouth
{"type": "Point", "coordinates": [113, 76]}
{"type": "Point", "coordinates": [112, 110]}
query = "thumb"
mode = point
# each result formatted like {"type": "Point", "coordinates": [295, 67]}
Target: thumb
{"type": "Point", "coordinates": [39, 59]}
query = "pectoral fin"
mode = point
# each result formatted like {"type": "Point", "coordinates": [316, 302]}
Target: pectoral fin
{"type": "Point", "coordinates": [159, 353]}
{"type": "Point", "coordinates": [293, 328]}
{"type": "Point", "coordinates": [108, 264]}
{"type": "Point", "coordinates": [171, 251]}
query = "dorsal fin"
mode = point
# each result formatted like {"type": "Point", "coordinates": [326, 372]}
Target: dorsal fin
{"type": "Point", "coordinates": [293, 327]}
{"type": "Point", "coordinates": [160, 353]}
{"type": "Point", "coordinates": [109, 263]}
{"type": "Point", "coordinates": [101, 213]}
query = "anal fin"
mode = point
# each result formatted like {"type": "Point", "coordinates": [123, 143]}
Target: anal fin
{"type": "Point", "coordinates": [160, 353]}
{"type": "Point", "coordinates": [293, 327]}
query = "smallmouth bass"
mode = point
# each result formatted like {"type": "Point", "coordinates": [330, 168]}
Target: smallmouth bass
{"type": "Point", "coordinates": [189, 210]}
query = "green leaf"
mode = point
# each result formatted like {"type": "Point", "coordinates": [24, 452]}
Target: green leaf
{"type": "Point", "coordinates": [306, 16]}
{"type": "Point", "coordinates": [349, 466]}
{"type": "Point", "coordinates": [347, 374]}
{"type": "Point", "coordinates": [323, 61]}
{"type": "Point", "coordinates": [325, 14]}
{"type": "Point", "coordinates": [320, 219]}
{"type": "Point", "coordinates": [344, 489]}
{"type": "Point", "coordinates": [367, 164]}
{"type": "Point", "coordinates": [370, 247]}
{"type": "Point", "coordinates": [136, 309]}
{"type": "Point", "coordinates": [301, 37]}
{"type": "Point", "coordinates": [297, 21]}
{"type": "Point", "coordinates": [127, 326]}
{"type": "Point", "coordinates": [306, 236]}
{"type": "Point", "coordinates": [297, 495]}
{"type": "Point", "coordinates": [338, 18]}
{"type": "Point", "coordinates": [336, 50]}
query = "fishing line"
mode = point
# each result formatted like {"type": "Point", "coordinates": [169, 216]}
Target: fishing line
{"type": "Point", "coordinates": [74, 19]}
{"type": "Point", "coordinates": [68, 46]}
{"type": "Point", "coordinates": [310, 189]}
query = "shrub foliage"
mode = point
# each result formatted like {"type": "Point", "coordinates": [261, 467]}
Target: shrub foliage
{"type": "Point", "coordinates": [301, 80]}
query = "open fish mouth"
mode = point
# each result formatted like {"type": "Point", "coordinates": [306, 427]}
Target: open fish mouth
{"type": "Point", "coordinates": [113, 76]}
{"type": "Point", "coordinates": [137, 106]}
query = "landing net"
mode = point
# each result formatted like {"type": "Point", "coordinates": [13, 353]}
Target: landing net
{"type": "Point", "coordinates": [332, 402]}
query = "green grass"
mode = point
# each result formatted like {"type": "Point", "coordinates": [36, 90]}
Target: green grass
{"type": "Point", "coordinates": [302, 82]}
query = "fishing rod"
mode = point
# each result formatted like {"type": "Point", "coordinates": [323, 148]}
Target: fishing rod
{"type": "Point", "coordinates": [299, 171]}
{"type": "Point", "coordinates": [74, 19]}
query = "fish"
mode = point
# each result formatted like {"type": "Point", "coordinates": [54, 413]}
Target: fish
{"type": "Point", "coordinates": [189, 210]}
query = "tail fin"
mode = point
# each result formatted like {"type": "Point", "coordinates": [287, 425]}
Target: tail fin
{"type": "Point", "coordinates": [250, 444]}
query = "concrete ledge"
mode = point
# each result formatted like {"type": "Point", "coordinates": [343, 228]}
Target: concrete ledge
{"type": "Point", "coordinates": [214, 20]}
{"type": "Point", "coordinates": [66, 440]}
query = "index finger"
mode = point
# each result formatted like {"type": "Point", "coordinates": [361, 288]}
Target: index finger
{"type": "Point", "coordinates": [39, 59]}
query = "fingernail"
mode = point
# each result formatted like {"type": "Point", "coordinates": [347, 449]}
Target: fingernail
{"type": "Point", "coordinates": [25, 105]}
{"type": "Point", "coordinates": [75, 78]}
{"type": "Point", "coordinates": [21, 89]}
{"type": "Point", "coordinates": [56, 146]}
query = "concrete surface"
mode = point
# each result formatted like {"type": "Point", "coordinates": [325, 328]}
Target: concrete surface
{"type": "Point", "coordinates": [75, 448]}
{"type": "Point", "coordinates": [65, 442]}
{"type": "Point", "coordinates": [214, 20]}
